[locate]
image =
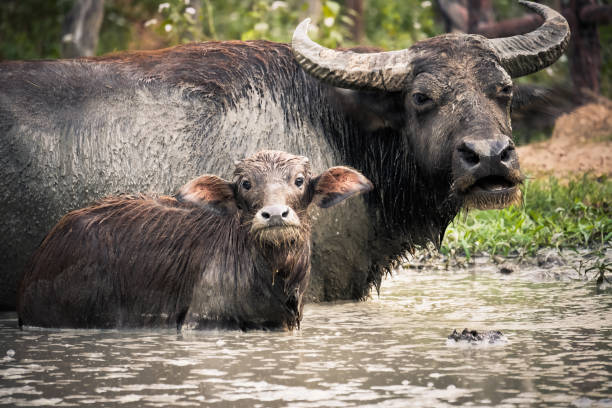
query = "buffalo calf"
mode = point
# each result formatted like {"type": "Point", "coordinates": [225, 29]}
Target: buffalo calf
{"type": "Point", "coordinates": [217, 254]}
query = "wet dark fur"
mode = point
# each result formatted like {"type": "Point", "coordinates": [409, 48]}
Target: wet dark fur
{"type": "Point", "coordinates": [137, 262]}
{"type": "Point", "coordinates": [206, 257]}
{"type": "Point", "coordinates": [475, 337]}
{"type": "Point", "coordinates": [369, 131]}
{"type": "Point", "coordinates": [147, 262]}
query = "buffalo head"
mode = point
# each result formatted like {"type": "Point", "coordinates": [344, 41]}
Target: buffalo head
{"type": "Point", "coordinates": [452, 99]}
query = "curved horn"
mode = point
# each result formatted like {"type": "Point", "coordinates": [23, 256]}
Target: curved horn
{"type": "Point", "coordinates": [385, 71]}
{"type": "Point", "coordinates": [523, 54]}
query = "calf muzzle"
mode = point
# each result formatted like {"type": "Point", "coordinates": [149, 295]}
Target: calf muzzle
{"type": "Point", "coordinates": [275, 215]}
{"type": "Point", "coordinates": [277, 224]}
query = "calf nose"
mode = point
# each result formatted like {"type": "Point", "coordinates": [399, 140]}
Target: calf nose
{"type": "Point", "coordinates": [495, 153]}
{"type": "Point", "coordinates": [274, 214]}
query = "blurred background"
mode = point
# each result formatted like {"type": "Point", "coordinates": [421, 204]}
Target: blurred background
{"type": "Point", "coordinates": [32, 29]}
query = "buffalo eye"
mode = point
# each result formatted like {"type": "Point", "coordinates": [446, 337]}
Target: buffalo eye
{"type": "Point", "coordinates": [505, 91]}
{"type": "Point", "coordinates": [299, 181]}
{"type": "Point", "coordinates": [420, 99]}
{"type": "Point", "coordinates": [246, 184]}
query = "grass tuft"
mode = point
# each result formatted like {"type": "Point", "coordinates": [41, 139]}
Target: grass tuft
{"type": "Point", "coordinates": [560, 214]}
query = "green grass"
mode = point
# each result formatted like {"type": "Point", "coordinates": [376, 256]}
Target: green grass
{"type": "Point", "coordinates": [573, 213]}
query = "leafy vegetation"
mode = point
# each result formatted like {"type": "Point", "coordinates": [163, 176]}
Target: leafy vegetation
{"type": "Point", "coordinates": [557, 214]}
{"type": "Point", "coordinates": [276, 20]}
{"type": "Point", "coordinates": [31, 29]}
{"type": "Point", "coordinates": [397, 25]}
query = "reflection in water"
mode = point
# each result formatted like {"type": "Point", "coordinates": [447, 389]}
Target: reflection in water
{"type": "Point", "coordinates": [390, 351]}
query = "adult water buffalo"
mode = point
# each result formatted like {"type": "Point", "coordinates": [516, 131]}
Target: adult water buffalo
{"type": "Point", "coordinates": [429, 125]}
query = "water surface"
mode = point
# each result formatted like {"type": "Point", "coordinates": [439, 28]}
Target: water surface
{"type": "Point", "coordinates": [390, 351]}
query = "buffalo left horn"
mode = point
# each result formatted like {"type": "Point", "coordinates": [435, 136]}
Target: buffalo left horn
{"type": "Point", "coordinates": [385, 71]}
{"type": "Point", "coordinates": [523, 54]}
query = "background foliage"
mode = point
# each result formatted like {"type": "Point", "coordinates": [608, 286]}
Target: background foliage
{"type": "Point", "coordinates": [32, 28]}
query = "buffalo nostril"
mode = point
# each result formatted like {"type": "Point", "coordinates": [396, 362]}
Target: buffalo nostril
{"type": "Point", "coordinates": [265, 215]}
{"type": "Point", "coordinates": [506, 153]}
{"type": "Point", "coordinates": [469, 156]}
{"type": "Point", "coordinates": [285, 214]}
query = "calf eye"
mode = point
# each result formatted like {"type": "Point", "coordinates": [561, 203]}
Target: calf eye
{"type": "Point", "coordinates": [299, 181]}
{"type": "Point", "coordinates": [246, 184]}
{"type": "Point", "coordinates": [420, 99]}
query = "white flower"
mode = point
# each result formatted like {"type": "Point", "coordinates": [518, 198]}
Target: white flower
{"type": "Point", "coordinates": [162, 7]}
{"type": "Point", "coordinates": [417, 25]}
{"type": "Point", "coordinates": [329, 21]}
{"type": "Point", "coordinates": [261, 27]}
{"type": "Point", "coordinates": [426, 4]}
{"type": "Point", "coordinates": [190, 10]}
{"type": "Point", "coordinates": [168, 27]}
{"type": "Point", "coordinates": [150, 22]}
{"type": "Point", "coordinates": [278, 4]}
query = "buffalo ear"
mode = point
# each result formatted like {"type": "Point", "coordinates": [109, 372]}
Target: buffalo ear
{"type": "Point", "coordinates": [337, 184]}
{"type": "Point", "coordinates": [209, 191]}
{"type": "Point", "coordinates": [538, 106]}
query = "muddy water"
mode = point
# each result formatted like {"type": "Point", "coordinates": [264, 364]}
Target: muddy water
{"type": "Point", "coordinates": [390, 351]}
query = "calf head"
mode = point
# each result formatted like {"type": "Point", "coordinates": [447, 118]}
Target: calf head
{"type": "Point", "coordinates": [271, 193]}
{"type": "Point", "coordinates": [270, 196]}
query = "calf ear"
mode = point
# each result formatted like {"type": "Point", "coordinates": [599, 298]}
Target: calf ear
{"type": "Point", "coordinates": [337, 184]}
{"type": "Point", "coordinates": [209, 191]}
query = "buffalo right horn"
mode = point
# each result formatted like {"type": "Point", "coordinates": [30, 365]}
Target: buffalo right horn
{"type": "Point", "coordinates": [523, 54]}
{"type": "Point", "coordinates": [385, 71]}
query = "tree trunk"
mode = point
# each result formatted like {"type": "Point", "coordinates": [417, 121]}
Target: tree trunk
{"type": "Point", "coordinates": [356, 14]}
{"type": "Point", "coordinates": [479, 12]}
{"type": "Point", "coordinates": [454, 14]}
{"type": "Point", "coordinates": [510, 27]}
{"type": "Point", "coordinates": [585, 49]}
{"type": "Point", "coordinates": [315, 8]}
{"type": "Point", "coordinates": [82, 28]}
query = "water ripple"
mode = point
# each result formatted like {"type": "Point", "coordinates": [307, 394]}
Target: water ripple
{"type": "Point", "coordinates": [390, 351]}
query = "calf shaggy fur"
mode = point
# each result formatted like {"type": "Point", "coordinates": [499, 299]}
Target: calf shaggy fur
{"type": "Point", "coordinates": [217, 254]}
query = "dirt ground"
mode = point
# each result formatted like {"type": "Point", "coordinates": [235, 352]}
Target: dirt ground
{"type": "Point", "coordinates": [581, 142]}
